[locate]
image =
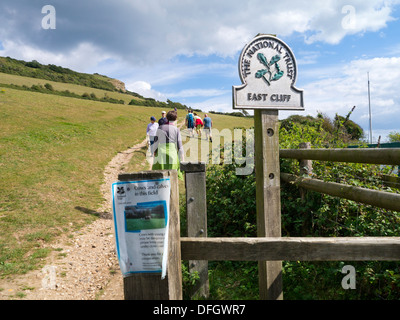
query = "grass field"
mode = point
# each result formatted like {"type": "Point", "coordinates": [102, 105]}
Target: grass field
{"type": "Point", "coordinates": [53, 151]}
{"type": "Point", "coordinates": [142, 224]}
{"type": "Point", "coordinates": [60, 86]}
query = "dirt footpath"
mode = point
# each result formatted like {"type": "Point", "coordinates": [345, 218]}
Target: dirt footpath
{"type": "Point", "coordinates": [84, 266]}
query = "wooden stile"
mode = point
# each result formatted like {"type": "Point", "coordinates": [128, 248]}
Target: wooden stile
{"type": "Point", "coordinates": [144, 286]}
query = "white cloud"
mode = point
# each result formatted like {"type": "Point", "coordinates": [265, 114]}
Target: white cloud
{"type": "Point", "coordinates": [308, 57]}
{"type": "Point", "coordinates": [83, 57]}
{"type": "Point", "coordinates": [145, 89]}
{"type": "Point", "coordinates": [342, 18]}
{"type": "Point", "coordinates": [150, 32]}
{"type": "Point", "coordinates": [198, 93]}
{"type": "Point", "coordinates": [219, 104]}
{"type": "Point", "coordinates": [348, 87]}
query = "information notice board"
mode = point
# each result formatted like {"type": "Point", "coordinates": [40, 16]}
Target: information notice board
{"type": "Point", "coordinates": [140, 212]}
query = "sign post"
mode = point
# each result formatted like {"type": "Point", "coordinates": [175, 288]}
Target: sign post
{"type": "Point", "coordinates": [268, 72]}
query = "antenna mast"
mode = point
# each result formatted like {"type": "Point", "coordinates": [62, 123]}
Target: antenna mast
{"type": "Point", "coordinates": [370, 119]}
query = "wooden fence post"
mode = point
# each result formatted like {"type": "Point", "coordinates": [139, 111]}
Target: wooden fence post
{"type": "Point", "coordinates": [305, 167]}
{"type": "Point", "coordinates": [268, 197]}
{"type": "Point", "coordinates": [196, 210]}
{"type": "Point", "coordinates": [148, 286]}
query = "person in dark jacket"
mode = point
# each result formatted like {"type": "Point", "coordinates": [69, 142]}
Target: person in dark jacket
{"type": "Point", "coordinates": [163, 119]}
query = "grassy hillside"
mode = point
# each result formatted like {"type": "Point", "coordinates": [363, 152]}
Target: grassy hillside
{"type": "Point", "coordinates": [10, 79]}
{"type": "Point", "coordinates": [53, 151]}
{"type": "Point", "coordinates": [52, 72]}
{"type": "Point", "coordinates": [52, 154]}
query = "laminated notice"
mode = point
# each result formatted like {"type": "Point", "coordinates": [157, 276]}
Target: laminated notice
{"type": "Point", "coordinates": [140, 212]}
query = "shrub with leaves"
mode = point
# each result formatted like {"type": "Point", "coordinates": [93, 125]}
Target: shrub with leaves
{"type": "Point", "coordinates": [232, 213]}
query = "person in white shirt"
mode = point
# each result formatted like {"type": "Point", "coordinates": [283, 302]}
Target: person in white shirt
{"type": "Point", "coordinates": [152, 130]}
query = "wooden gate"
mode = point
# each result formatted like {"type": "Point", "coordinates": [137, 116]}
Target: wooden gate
{"type": "Point", "coordinates": [198, 248]}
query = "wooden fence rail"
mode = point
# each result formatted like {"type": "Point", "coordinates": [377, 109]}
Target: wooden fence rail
{"type": "Point", "coordinates": [371, 156]}
{"type": "Point", "coordinates": [391, 181]}
{"type": "Point", "coordinates": [292, 249]}
{"type": "Point", "coordinates": [381, 199]}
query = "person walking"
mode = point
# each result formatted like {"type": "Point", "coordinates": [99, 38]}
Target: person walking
{"type": "Point", "coordinates": [189, 121]}
{"type": "Point", "coordinates": [168, 147]}
{"type": "Point", "coordinates": [163, 119]}
{"type": "Point", "coordinates": [198, 124]}
{"type": "Point", "coordinates": [151, 130]}
{"type": "Point", "coordinates": [207, 127]}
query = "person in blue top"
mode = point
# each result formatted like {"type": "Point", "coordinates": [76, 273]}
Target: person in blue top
{"type": "Point", "coordinates": [189, 121]}
{"type": "Point", "coordinates": [207, 126]}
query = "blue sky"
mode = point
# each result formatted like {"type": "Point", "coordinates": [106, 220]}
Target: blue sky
{"type": "Point", "coordinates": [188, 51]}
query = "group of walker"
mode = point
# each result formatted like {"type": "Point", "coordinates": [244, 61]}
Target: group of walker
{"type": "Point", "coordinates": [165, 141]}
{"type": "Point", "coordinates": [193, 121]}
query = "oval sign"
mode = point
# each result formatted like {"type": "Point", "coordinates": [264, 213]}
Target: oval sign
{"type": "Point", "coordinates": [268, 71]}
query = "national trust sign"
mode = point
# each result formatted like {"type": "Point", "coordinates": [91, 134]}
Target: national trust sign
{"type": "Point", "coordinates": [268, 71]}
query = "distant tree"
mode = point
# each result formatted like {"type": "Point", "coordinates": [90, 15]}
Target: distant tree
{"type": "Point", "coordinates": [49, 87]}
{"type": "Point", "coordinates": [394, 136]}
{"type": "Point", "coordinates": [33, 64]}
{"type": "Point", "coordinates": [354, 131]}
{"type": "Point", "coordinates": [340, 126]}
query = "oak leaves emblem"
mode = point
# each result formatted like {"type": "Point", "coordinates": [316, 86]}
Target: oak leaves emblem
{"type": "Point", "coordinates": [267, 74]}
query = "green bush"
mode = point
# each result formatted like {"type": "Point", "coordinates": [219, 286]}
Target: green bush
{"type": "Point", "coordinates": [49, 87]}
{"type": "Point", "coordinates": [33, 64]}
{"type": "Point", "coordinates": [231, 211]}
{"type": "Point", "coordinates": [394, 136]}
{"type": "Point", "coordinates": [231, 208]}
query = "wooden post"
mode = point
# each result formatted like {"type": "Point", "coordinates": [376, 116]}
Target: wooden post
{"type": "Point", "coordinates": [268, 197]}
{"type": "Point", "coordinates": [258, 93]}
{"type": "Point", "coordinates": [196, 210]}
{"type": "Point", "coordinates": [305, 167]}
{"type": "Point", "coordinates": [144, 286]}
